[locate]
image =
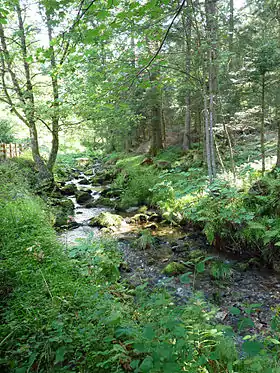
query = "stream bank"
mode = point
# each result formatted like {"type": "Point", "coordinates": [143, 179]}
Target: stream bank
{"type": "Point", "coordinates": [246, 298]}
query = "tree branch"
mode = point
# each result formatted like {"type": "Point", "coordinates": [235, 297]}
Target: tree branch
{"type": "Point", "coordinates": [163, 40]}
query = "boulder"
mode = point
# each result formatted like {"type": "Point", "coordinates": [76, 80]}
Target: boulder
{"type": "Point", "coordinates": [111, 192]}
{"type": "Point", "coordinates": [106, 220]}
{"type": "Point", "coordinates": [82, 196]}
{"type": "Point", "coordinates": [68, 190]}
{"type": "Point", "coordinates": [63, 210]}
{"type": "Point", "coordinates": [84, 181]}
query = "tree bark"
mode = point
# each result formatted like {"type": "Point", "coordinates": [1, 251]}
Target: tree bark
{"type": "Point", "coordinates": [156, 143]}
{"type": "Point", "coordinates": [262, 124]}
{"type": "Point", "coordinates": [29, 107]}
{"type": "Point", "coordinates": [211, 10]}
{"type": "Point", "coordinates": [188, 29]}
{"type": "Point", "coordinates": [278, 145]}
{"type": "Point", "coordinates": [55, 94]}
{"type": "Point", "coordinates": [207, 137]}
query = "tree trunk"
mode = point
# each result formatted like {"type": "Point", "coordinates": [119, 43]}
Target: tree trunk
{"type": "Point", "coordinates": [55, 94]}
{"type": "Point", "coordinates": [207, 137]}
{"type": "Point", "coordinates": [156, 132]}
{"type": "Point", "coordinates": [29, 108]}
{"type": "Point", "coordinates": [262, 124]}
{"type": "Point", "coordinates": [231, 25]}
{"type": "Point", "coordinates": [188, 29]}
{"type": "Point", "coordinates": [211, 9]}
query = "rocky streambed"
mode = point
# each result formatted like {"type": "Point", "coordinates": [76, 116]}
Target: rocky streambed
{"type": "Point", "coordinates": [171, 258]}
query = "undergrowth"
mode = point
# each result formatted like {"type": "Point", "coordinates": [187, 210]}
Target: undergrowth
{"type": "Point", "coordinates": [65, 309]}
{"type": "Point", "coordinates": [243, 212]}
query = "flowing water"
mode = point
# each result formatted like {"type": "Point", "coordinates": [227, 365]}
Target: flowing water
{"type": "Point", "coordinates": [253, 286]}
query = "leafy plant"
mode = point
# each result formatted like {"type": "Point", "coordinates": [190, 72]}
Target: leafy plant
{"type": "Point", "coordinates": [146, 240]}
{"type": "Point", "coordinates": [220, 270]}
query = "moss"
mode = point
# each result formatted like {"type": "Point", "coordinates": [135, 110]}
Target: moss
{"type": "Point", "coordinates": [174, 268]}
{"type": "Point", "coordinates": [106, 220]}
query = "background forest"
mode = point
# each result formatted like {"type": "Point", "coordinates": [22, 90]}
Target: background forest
{"type": "Point", "coordinates": [168, 112]}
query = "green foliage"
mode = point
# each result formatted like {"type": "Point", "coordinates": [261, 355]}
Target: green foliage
{"type": "Point", "coordinates": [146, 240]}
{"type": "Point", "coordinates": [136, 181]}
{"type": "Point", "coordinates": [220, 270]}
{"type": "Point", "coordinates": [6, 132]}
{"type": "Point", "coordinates": [66, 311]}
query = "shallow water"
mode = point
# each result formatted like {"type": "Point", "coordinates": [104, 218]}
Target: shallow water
{"type": "Point", "coordinates": [243, 288]}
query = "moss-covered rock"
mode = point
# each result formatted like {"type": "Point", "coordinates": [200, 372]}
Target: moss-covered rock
{"type": "Point", "coordinates": [68, 190]}
{"type": "Point", "coordinates": [106, 220]}
{"type": "Point", "coordinates": [63, 211]}
{"type": "Point", "coordinates": [88, 172]}
{"type": "Point", "coordinates": [174, 268]}
{"type": "Point", "coordinates": [143, 209]}
{"type": "Point", "coordinates": [111, 192]}
{"type": "Point", "coordinates": [84, 181]}
{"type": "Point", "coordinates": [82, 196]}
{"type": "Point", "coordinates": [140, 218]}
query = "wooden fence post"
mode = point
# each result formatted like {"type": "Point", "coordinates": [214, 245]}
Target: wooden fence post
{"type": "Point", "coordinates": [4, 150]}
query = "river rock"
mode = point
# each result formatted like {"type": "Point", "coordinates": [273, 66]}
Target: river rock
{"type": "Point", "coordinates": [82, 196]}
{"type": "Point", "coordinates": [91, 204]}
{"type": "Point", "coordinates": [111, 192]}
{"type": "Point", "coordinates": [276, 266]}
{"type": "Point", "coordinates": [63, 210]}
{"type": "Point", "coordinates": [106, 220]}
{"type": "Point", "coordinates": [75, 173]}
{"type": "Point", "coordinates": [88, 172]}
{"type": "Point", "coordinates": [84, 181]}
{"type": "Point", "coordinates": [69, 189]}
{"type": "Point", "coordinates": [151, 226]}
{"type": "Point", "coordinates": [140, 218]}
{"type": "Point", "coordinates": [174, 268]}
{"type": "Point", "coordinates": [154, 217]}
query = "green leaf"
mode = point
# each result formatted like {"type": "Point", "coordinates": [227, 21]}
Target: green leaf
{"type": "Point", "coordinates": [245, 323]}
{"type": "Point", "coordinates": [200, 267]}
{"type": "Point", "coordinates": [234, 311]}
{"type": "Point", "coordinates": [146, 365]}
{"type": "Point", "coordinates": [275, 341]}
{"type": "Point", "coordinates": [59, 354]}
{"type": "Point", "coordinates": [185, 279]}
{"type": "Point", "coordinates": [252, 348]}
{"type": "Point", "coordinates": [148, 333]}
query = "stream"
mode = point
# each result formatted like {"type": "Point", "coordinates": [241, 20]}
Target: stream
{"type": "Point", "coordinates": [260, 288]}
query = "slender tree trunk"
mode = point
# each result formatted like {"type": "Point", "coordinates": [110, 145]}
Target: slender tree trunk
{"type": "Point", "coordinates": [29, 108]}
{"type": "Point", "coordinates": [231, 24]}
{"type": "Point", "coordinates": [188, 30]}
{"type": "Point", "coordinates": [262, 124]}
{"type": "Point", "coordinates": [55, 94]}
{"type": "Point", "coordinates": [207, 137]}
{"type": "Point", "coordinates": [163, 122]}
{"type": "Point", "coordinates": [278, 145]}
{"type": "Point", "coordinates": [156, 132]}
{"type": "Point", "coordinates": [210, 8]}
